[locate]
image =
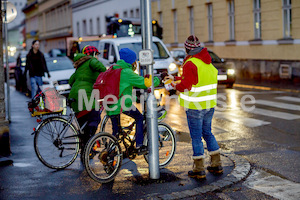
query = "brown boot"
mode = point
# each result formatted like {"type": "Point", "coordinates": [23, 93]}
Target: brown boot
{"type": "Point", "coordinates": [216, 164]}
{"type": "Point", "coordinates": [198, 169]}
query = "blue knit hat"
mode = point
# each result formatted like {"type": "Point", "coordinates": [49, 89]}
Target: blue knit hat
{"type": "Point", "coordinates": [127, 55]}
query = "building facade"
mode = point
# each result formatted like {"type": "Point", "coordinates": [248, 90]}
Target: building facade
{"type": "Point", "coordinates": [89, 16]}
{"type": "Point", "coordinates": [49, 21]}
{"type": "Point", "coordinates": [262, 37]}
{"type": "Point", "coordinates": [55, 23]}
{"type": "Point", "coordinates": [31, 22]}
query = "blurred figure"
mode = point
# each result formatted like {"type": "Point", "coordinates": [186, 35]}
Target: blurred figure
{"type": "Point", "coordinates": [37, 67]}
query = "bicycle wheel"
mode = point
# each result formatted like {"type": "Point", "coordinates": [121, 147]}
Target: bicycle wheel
{"type": "Point", "coordinates": [103, 157]}
{"type": "Point", "coordinates": [166, 144]}
{"type": "Point", "coordinates": [56, 143]}
{"type": "Point", "coordinates": [106, 125]}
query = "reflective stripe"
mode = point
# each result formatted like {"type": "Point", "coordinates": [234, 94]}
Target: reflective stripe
{"type": "Point", "coordinates": [203, 88]}
{"type": "Point", "coordinates": [198, 99]}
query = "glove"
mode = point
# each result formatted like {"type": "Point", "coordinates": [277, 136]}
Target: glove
{"type": "Point", "coordinates": [49, 75]}
{"type": "Point", "coordinates": [147, 76]}
{"type": "Point", "coordinates": [148, 80]}
{"type": "Point", "coordinates": [163, 75]}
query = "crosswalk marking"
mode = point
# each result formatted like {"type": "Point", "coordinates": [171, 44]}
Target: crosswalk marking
{"type": "Point", "coordinates": [287, 98]}
{"type": "Point", "coordinates": [249, 122]}
{"type": "Point", "coordinates": [275, 114]}
{"type": "Point", "coordinates": [278, 105]}
{"type": "Point", "coordinates": [273, 185]}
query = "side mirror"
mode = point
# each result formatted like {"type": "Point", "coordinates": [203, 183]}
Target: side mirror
{"type": "Point", "coordinates": [111, 59]}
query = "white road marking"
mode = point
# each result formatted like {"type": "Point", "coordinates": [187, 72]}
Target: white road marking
{"type": "Point", "coordinates": [249, 122]}
{"type": "Point", "coordinates": [275, 114]}
{"type": "Point", "coordinates": [278, 105]}
{"type": "Point", "coordinates": [273, 185]}
{"type": "Point", "coordinates": [287, 98]}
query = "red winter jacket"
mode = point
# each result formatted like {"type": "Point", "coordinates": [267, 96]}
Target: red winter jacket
{"type": "Point", "coordinates": [190, 75]}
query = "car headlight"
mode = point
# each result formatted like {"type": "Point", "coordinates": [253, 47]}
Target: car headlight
{"type": "Point", "coordinates": [172, 66]}
{"type": "Point", "coordinates": [230, 71]}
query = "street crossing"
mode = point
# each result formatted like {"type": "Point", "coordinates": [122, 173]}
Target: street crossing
{"type": "Point", "coordinates": [283, 107]}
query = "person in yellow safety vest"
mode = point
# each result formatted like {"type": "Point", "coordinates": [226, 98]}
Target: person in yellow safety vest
{"type": "Point", "coordinates": [198, 95]}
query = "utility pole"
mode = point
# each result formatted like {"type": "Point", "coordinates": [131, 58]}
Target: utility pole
{"type": "Point", "coordinates": [4, 124]}
{"type": "Point", "coordinates": [146, 58]}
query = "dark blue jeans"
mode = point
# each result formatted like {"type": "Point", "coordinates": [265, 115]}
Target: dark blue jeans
{"type": "Point", "coordinates": [199, 122]}
{"type": "Point", "coordinates": [134, 113]}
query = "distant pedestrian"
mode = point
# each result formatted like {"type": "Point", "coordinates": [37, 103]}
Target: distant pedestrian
{"type": "Point", "coordinates": [198, 94]}
{"type": "Point", "coordinates": [37, 67]}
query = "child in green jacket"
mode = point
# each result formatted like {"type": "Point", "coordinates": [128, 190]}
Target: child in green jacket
{"type": "Point", "coordinates": [128, 80]}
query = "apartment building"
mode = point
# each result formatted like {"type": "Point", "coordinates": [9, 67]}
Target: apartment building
{"type": "Point", "coordinates": [89, 16]}
{"type": "Point", "coordinates": [31, 22]}
{"type": "Point", "coordinates": [262, 37]}
{"type": "Point", "coordinates": [55, 23]}
{"type": "Point", "coordinates": [49, 21]}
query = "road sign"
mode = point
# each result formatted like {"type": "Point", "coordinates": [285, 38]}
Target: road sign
{"type": "Point", "coordinates": [11, 12]}
{"type": "Point", "coordinates": [146, 57]}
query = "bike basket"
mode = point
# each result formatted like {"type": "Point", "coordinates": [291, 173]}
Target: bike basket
{"type": "Point", "coordinates": [47, 101]}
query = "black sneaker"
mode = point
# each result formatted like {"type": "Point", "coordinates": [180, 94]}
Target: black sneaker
{"type": "Point", "coordinates": [142, 150]}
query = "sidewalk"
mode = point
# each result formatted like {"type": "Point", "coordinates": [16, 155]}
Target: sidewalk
{"type": "Point", "coordinates": [28, 178]}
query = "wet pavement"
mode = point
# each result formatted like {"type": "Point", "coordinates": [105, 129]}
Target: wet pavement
{"type": "Point", "coordinates": [28, 178]}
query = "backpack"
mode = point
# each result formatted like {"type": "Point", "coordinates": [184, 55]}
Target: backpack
{"type": "Point", "coordinates": [108, 83]}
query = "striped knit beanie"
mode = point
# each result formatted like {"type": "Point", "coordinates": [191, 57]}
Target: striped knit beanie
{"type": "Point", "coordinates": [192, 42]}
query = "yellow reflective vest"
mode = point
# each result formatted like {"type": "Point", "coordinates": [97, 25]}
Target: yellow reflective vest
{"type": "Point", "coordinates": [203, 95]}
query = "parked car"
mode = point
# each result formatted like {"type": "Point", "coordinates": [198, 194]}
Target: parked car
{"type": "Point", "coordinates": [57, 52]}
{"type": "Point", "coordinates": [12, 65]}
{"type": "Point", "coordinates": [61, 69]}
{"type": "Point", "coordinates": [109, 49]}
{"type": "Point", "coordinates": [226, 72]}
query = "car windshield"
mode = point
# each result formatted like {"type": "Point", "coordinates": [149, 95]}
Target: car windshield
{"type": "Point", "coordinates": [94, 43]}
{"type": "Point", "coordinates": [159, 51]}
{"type": "Point", "coordinates": [214, 57]}
{"type": "Point", "coordinates": [59, 64]}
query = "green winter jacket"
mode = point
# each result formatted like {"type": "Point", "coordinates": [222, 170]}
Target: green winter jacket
{"type": "Point", "coordinates": [88, 69]}
{"type": "Point", "coordinates": [128, 80]}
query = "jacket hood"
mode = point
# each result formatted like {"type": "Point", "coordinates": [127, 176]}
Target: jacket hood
{"type": "Point", "coordinates": [200, 53]}
{"type": "Point", "coordinates": [122, 64]}
{"type": "Point", "coordinates": [80, 59]}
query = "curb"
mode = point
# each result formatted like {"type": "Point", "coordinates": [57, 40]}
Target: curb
{"type": "Point", "coordinates": [4, 161]}
{"type": "Point", "coordinates": [241, 170]}
{"type": "Point", "coordinates": [238, 85]}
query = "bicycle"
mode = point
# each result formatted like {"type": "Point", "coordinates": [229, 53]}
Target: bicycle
{"type": "Point", "coordinates": [57, 139]}
{"type": "Point", "coordinates": [104, 152]}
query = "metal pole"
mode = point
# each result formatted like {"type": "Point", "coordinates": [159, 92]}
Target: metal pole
{"type": "Point", "coordinates": [7, 66]}
{"type": "Point", "coordinates": [151, 116]}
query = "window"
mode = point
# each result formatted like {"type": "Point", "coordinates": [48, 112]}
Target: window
{"type": "Point", "coordinates": [106, 50]}
{"type": "Point", "coordinates": [287, 18]}
{"type": "Point", "coordinates": [210, 21]}
{"type": "Point", "coordinates": [125, 14]}
{"type": "Point", "coordinates": [131, 14]}
{"type": "Point", "coordinates": [231, 19]}
{"type": "Point", "coordinates": [98, 26]}
{"type": "Point", "coordinates": [91, 26]}
{"type": "Point", "coordinates": [137, 13]}
{"type": "Point", "coordinates": [84, 28]}
{"type": "Point", "coordinates": [191, 20]}
{"type": "Point", "coordinates": [175, 25]}
{"type": "Point", "coordinates": [78, 29]}
{"type": "Point", "coordinates": [257, 21]}
{"type": "Point", "coordinates": [161, 19]}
